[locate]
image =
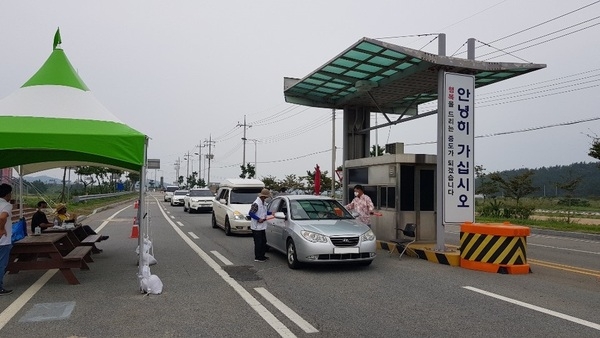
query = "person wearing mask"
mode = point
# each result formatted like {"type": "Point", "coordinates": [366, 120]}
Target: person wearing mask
{"type": "Point", "coordinates": [39, 219]}
{"type": "Point", "coordinates": [258, 214]}
{"type": "Point", "coordinates": [5, 232]}
{"type": "Point", "coordinates": [362, 204]}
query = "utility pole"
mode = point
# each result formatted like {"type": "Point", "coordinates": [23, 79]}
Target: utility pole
{"type": "Point", "coordinates": [244, 139]}
{"type": "Point", "coordinates": [199, 153]}
{"type": "Point", "coordinates": [209, 156]}
{"type": "Point", "coordinates": [187, 173]}
{"type": "Point", "coordinates": [255, 151]}
{"type": "Point", "coordinates": [177, 166]}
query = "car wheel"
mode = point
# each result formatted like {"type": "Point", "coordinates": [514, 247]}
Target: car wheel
{"type": "Point", "coordinates": [214, 221]}
{"type": "Point", "coordinates": [227, 227]}
{"type": "Point", "coordinates": [292, 256]}
{"type": "Point", "coordinates": [185, 209]}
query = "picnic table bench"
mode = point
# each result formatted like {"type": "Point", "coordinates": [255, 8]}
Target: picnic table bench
{"type": "Point", "coordinates": [49, 251]}
{"type": "Point", "coordinates": [89, 240]}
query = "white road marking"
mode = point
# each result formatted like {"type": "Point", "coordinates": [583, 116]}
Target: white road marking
{"type": "Point", "coordinates": [293, 316]}
{"type": "Point", "coordinates": [193, 235]}
{"type": "Point", "coordinates": [179, 223]}
{"type": "Point", "coordinates": [173, 217]}
{"type": "Point", "coordinates": [221, 258]}
{"type": "Point", "coordinates": [262, 311]}
{"type": "Point", "coordinates": [537, 308]}
{"type": "Point", "coordinates": [18, 303]}
{"type": "Point", "coordinates": [566, 249]}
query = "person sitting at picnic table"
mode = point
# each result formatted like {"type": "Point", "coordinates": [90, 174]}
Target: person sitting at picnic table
{"type": "Point", "coordinates": [39, 219]}
{"type": "Point", "coordinates": [63, 217]}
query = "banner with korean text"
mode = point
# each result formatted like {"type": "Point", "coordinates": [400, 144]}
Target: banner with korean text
{"type": "Point", "coordinates": [458, 156]}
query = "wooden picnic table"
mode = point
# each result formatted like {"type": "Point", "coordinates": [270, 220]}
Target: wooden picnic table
{"type": "Point", "coordinates": [49, 251]}
{"type": "Point", "coordinates": [74, 234]}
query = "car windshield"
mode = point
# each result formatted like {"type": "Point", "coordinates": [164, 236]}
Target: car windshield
{"type": "Point", "coordinates": [318, 209]}
{"type": "Point", "coordinates": [244, 195]}
{"type": "Point", "coordinates": [206, 193]}
{"type": "Point", "coordinates": [171, 189]}
{"type": "Point", "coordinates": [180, 192]}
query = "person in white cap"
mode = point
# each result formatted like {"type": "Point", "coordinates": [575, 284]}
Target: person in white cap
{"type": "Point", "coordinates": [258, 214]}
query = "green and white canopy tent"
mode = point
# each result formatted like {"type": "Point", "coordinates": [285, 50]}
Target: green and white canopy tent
{"type": "Point", "coordinates": [54, 121]}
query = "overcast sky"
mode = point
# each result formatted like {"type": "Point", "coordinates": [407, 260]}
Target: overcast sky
{"type": "Point", "coordinates": [181, 71]}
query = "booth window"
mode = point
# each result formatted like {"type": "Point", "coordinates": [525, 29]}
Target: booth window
{"type": "Point", "coordinates": [407, 188]}
{"type": "Point", "coordinates": [427, 187]}
{"type": "Point", "coordinates": [387, 197]}
{"type": "Point", "coordinates": [358, 176]}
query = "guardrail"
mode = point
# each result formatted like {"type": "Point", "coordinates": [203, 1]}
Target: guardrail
{"type": "Point", "coordinates": [84, 198]}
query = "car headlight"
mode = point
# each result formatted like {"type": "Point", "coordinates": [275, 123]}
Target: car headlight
{"type": "Point", "coordinates": [313, 237]}
{"type": "Point", "coordinates": [368, 236]}
{"type": "Point", "coordinates": [238, 215]}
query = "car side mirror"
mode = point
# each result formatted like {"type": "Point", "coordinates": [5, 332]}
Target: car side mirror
{"type": "Point", "coordinates": [355, 213]}
{"type": "Point", "coordinates": [222, 201]}
{"type": "Point", "coordinates": [279, 215]}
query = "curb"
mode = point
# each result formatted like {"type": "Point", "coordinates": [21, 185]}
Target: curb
{"type": "Point", "coordinates": [425, 251]}
{"type": "Point", "coordinates": [83, 217]}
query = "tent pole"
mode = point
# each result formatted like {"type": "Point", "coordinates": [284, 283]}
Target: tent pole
{"type": "Point", "coordinates": [141, 213]}
{"type": "Point", "coordinates": [20, 192]}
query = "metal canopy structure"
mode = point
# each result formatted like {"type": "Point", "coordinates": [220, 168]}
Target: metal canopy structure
{"type": "Point", "coordinates": [388, 78]}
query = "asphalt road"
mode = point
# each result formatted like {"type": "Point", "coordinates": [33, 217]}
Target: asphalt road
{"type": "Point", "coordinates": [213, 288]}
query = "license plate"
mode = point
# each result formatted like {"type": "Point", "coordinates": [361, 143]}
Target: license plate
{"type": "Point", "coordinates": [345, 250]}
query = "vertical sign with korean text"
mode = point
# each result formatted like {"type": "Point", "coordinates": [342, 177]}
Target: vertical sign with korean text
{"type": "Point", "coordinates": [458, 157]}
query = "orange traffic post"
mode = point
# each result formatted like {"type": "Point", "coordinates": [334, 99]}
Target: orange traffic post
{"type": "Point", "coordinates": [136, 205]}
{"type": "Point", "coordinates": [135, 229]}
{"type": "Point", "coordinates": [499, 248]}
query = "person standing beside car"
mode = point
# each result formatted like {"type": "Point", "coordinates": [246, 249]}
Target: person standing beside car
{"type": "Point", "coordinates": [258, 214]}
{"type": "Point", "coordinates": [362, 204]}
{"type": "Point", "coordinates": [5, 232]}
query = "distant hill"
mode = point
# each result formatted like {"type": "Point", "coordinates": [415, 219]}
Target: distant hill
{"type": "Point", "coordinates": [45, 179]}
{"type": "Point", "coordinates": [546, 179]}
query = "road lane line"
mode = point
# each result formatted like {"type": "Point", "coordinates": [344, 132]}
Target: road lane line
{"type": "Point", "coordinates": [537, 308]}
{"type": "Point", "coordinates": [262, 311]}
{"type": "Point", "coordinates": [566, 249]}
{"type": "Point", "coordinates": [193, 235]}
{"type": "Point", "coordinates": [18, 303]}
{"type": "Point", "coordinates": [564, 267]}
{"type": "Point", "coordinates": [221, 258]}
{"type": "Point", "coordinates": [179, 223]}
{"type": "Point", "coordinates": [173, 217]}
{"type": "Point", "coordinates": [293, 316]}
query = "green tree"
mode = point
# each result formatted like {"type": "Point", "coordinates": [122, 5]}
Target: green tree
{"type": "Point", "coordinates": [486, 186]}
{"type": "Point", "coordinates": [569, 185]}
{"type": "Point", "coordinates": [248, 171]}
{"type": "Point", "coordinates": [39, 186]}
{"type": "Point", "coordinates": [380, 150]}
{"type": "Point", "coordinates": [517, 186]}
{"type": "Point", "coordinates": [133, 178]}
{"type": "Point", "coordinates": [292, 182]}
{"type": "Point", "coordinates": [271, 183]}
{"type": "Point", "coordinates": [87, 172]}
{"type": "Point", "coordinates": [595, 148]}
{"type": "Point", "coordinates": [180, 180]}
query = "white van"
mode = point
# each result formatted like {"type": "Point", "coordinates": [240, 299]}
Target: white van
{"type": "Point", "coordinates": [232, 203]}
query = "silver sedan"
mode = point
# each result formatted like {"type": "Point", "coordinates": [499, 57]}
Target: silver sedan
{"type": "Point", "coordinates": [318, 229]}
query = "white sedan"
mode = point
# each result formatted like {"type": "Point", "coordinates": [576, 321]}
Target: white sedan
{"type": "Point", "coordinates": [198, 200]}
{"type": "Point", "coordinates": [177, 198]}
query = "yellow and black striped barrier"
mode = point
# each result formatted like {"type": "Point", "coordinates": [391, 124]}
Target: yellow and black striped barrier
{"type": "Point", "coordinates": [500, 248]}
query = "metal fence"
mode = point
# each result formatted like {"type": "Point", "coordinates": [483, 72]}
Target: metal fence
{"type": "Point", "coordinates": [84, 198]}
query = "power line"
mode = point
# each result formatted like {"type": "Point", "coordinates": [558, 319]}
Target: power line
{"type": "Point", "coordinates": [282, 160]}
{"type": "Point", "coordinates": [562, 124]}
{"type": "Point", "coordinates": [536, 25]}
